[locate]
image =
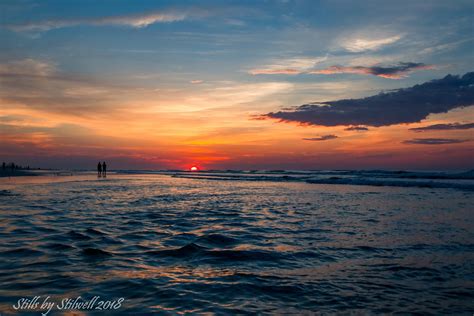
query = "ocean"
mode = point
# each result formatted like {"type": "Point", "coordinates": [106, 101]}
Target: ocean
{"type": "Point", "coordinates": [281, 242]}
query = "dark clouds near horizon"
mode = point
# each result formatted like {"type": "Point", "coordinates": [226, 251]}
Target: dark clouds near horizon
{"type": "Point", "coordinates": [356, 128]}
{"type": "Point", "coordinates": [408, 105]}
{"type": "Point", "coordinates": [321, 138]}
{"type": "Point", "coordinates": [443, 127]}
{"type": "Point", "coordinates": [433, 141]}
{"type": "Point", "coordinates": [397, 71]}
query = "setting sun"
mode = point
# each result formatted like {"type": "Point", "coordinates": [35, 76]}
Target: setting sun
{"type": "Point", "coordinates": [194, 168]}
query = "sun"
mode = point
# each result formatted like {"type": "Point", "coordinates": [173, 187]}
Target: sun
{"type": "Point", "coordinates": [194, 168]}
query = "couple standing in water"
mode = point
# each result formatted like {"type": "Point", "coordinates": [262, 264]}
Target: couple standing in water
{"type": "Point", "coordinates": [102, 169]}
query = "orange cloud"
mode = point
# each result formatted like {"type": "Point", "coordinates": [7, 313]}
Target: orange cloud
{"type": "Point", "coordinates": [289, 66]}
{"type": "Point", "coordinates": [274, 72]}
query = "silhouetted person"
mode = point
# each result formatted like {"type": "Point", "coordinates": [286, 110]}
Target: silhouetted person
{"type": "Point", "coordinates": [99, 170]}
{"type": "Point", "coordinates": [4, 166]}
{"type": "Point", "coordinates": [104, 169]}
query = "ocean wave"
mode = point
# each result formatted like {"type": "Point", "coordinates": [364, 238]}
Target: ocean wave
{"type": "Point", "coordinates": [357, 178]}
{"type": "Point", "coordinates": [394, 183]}
{"type": "Point", "coordinates": [95, 252]}
{"type": "Point", "coordinates": [216, 240]}
{"type": "Point", "coordinates": [7, 193]}
{"type": "Point", "coordinates": [195, 251]}
{"type": "Point", "coordinates": [92, 231]}
{"type": "Point", "coordinates": [23, 252]}
{"type": "Point", "coordinates": [251, 174]}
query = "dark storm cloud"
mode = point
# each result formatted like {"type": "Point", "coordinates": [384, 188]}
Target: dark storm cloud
{"type": "Point", "coordinates": [320, 138]}
{"type": "Point", "coordinates": [407, 105]}
{"type": "Point", "coordinates": [434, 141]}
{"type": "Point", "coordinates": [391, 72]}
{"type": "Point", "coordinates": [443, 127]}
{"type": "Point", "coordinates": [356, 128]}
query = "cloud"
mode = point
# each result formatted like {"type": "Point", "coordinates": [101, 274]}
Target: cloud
{"type": "Point", "coordinates": [304, 65]}
{"type": "Point", "coordinates": [256, 117]}
{"type": "Point", "coordinates": [443, 127]}
{"type": "Point", "coordinates": [356, 128]}
{"type": "Point", "coordinates": [196, 81]}
{"type": "Point", "coordinates": [443, 47]}
{"type": "Point", "coordinates": [289, 66]}
{"type": "Point", "coordinates": [391, 72]}
{"type": "Point", "coordinates": [434, 141]}
{"type": "Point", "coordinates": [408, 105]}
{"type": "Point", "coordinates": [39, 85]}
{"type": "Point", "coordinates": [358, 45]}
{"type": "Point", "coordinates": [136, 21]}
{"type": "Point", "coordinates": [320, 138]}
{"type": "Point", "coordinates": [18, 119]}
{"type": "Point", "coordinates": [27, 67]}
{"type": "Point", "coordinates": [243, 93]}
{"type": "Point", "coordinates": [285, 71]}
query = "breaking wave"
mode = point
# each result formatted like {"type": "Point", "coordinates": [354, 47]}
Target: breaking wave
{"type": "Point", "coordinates": [462, 181]}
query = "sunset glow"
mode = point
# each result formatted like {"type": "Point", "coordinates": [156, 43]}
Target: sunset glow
{"type": "Point", "coordinates": [212, 85]}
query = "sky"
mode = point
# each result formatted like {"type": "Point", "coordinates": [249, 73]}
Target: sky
{"type": "Point", "coordinates": [237, 84]}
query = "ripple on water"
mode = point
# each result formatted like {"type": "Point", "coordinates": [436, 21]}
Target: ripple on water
{"type": "Point", "coordinates": [96, 252]}
{"type": "Point", "coordinates": [217, 240]}
{"type": "Point", "coordinates": [22, 252]}
{"type": "Point", "coordinates": [171, 245]}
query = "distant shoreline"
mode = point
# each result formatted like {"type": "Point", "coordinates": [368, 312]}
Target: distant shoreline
{"type": "Point", "coordinates": [16, 173]}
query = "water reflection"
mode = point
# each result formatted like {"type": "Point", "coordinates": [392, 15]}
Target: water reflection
{"type": "Point", "coordinates": [187, 245]}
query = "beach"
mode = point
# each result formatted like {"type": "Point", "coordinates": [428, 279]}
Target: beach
{"type": "Point", "coordinates": [190, 243]}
